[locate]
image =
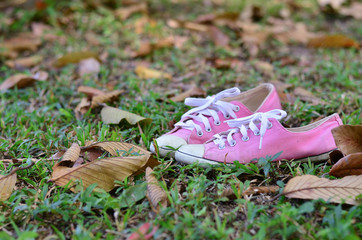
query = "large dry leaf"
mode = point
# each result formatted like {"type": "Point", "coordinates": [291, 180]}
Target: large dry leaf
{"type": "Point", "coordinates": [7, 184]}
{"type": "Point", "coordinates": [111, 115]}
{"type": "Point", "coordinates": [348, 138]}
{"type": "Point", "coordinates": [74, 57]}
{"type": "Point", "coordinates": [103, 172]}
{"type": "Point", "coordinates": [89, 91]}
{"type": "Point", "coordinates": [20, 81]}
{"type": "Point", "coordinates": [333, 41]}
{"type": "Point", "coordinates": [125, 12]}
{"type": "Point", "coordinates": [155, 193]}
{"type": "Point", "coordinates": [146, 73]}
{"type": "Point", "coordinates": [348, 165]}
{"type": "Point", "coordinates": [88, 66]}
{"type": "Point", "coordinates": [24, 62]}
{"type": "Point", "coordinates": [337, 191]}
{"type": "Point", "coordinates": [194, 91]}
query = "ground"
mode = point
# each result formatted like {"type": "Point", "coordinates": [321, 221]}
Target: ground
{"type": "Point", "coordinates": [38, 121]}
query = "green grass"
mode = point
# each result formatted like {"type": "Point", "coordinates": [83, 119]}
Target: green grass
{"type": "Point", "coordinates": [38, 121]}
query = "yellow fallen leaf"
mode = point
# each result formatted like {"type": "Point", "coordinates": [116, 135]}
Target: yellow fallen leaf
{"type": "Point", "coordinates": [74, 57]}
{"type": "Point", "coordinates": [333, 41]}
{"type": "Point", "coordinates": [146, 73]}
{"type": "Point", "coordinates": [111, 115]}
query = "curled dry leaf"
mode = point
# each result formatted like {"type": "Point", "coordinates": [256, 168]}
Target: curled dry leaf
{"type": "Point", "coordinates": [156, 194]}
{"type": "Point", "coordinates": [20, 81]}
{"type": "Point", "coordinates": [24, 41]}
{"type": "Point", "coordinates": [348, 138]}
{"type": "Point", "coordinates": [194, 91]}
{"type": "Point", "coordinates": [125, 12]}
{"type": "Point", "coordinates": [103, 172]}
{"type": "Point", "coordinates": [24, 62]}
{"type": "Point", "coordinates": [74, 57]}
{"type": "Point", "coordinates": [335, 156]}
{"type": "Point", "coordinates": [90, 91]}
{"type": "Point", "coordinates": [111, 96]}
{"type": "Point", "coordinates": [311, 187]}
{"type": "Point", "coordinates": [88, 66]}
{"type": "Point", "coordinates": [333, 41]}
{"type": "Point", "coordinates": [251, 190]}
{"type": "Point", "coordinates": [148, 47]}
{"type": "Point", "coordinates": [146, 73]}
{"type": "Point", "coordinates": [72, 154]}
{"type": "Point", "coordinates": [348, 165]}
{"type": "Point", "coordinates": [7, 184]}
{"type": "Point", "coordinates": [111, 115]}
{"type": "Point", "coordinates": [114, 148]}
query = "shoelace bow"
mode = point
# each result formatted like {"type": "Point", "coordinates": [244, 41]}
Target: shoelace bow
{"type": "Point", "coordinates": [243, 124]}
{"type": "Point", "coordinates": [206, 107]}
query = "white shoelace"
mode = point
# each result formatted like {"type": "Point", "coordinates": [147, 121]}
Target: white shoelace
{"type": "Point", "coordinates": [206, 107]}
{"type": "Point", "coordinates": [243, 124]}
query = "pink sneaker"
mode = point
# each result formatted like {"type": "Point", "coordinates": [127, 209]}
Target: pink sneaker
{"type": "Point", "coordinates": [207, 118]}
{"type": "Point", "coordinates": [261, 134]}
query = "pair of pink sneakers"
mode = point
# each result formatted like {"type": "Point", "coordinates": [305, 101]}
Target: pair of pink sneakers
{"type": "Point", "coordinates": [233, 126]}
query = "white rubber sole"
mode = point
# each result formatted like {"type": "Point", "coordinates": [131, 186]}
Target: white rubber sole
{"type": "Point", "coordinates": [163, 151]}
{"type": "Point", "coordinates": [186, 158]}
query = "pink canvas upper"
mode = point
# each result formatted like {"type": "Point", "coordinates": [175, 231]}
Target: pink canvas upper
{"type": "Point", "coordinates": [295, 144]}
{"type": "Point", "coordinates": [271, 102]}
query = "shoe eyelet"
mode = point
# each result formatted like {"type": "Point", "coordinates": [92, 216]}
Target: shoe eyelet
{"type": "Point", "coordinates": [233, 143]}
{"type": "Point", "coordinates": [217, 123]}
{"type": "Point", "coordinates": [257, 133]}
{"type": "Point", "coordinates": [227, 116]}
{"type": "Point", "coordinates": [208, 129]}
{"type": "Point", "coordinates": [237, 108]}
{"type": "Point", "coordinates": [245, 139]}
{"type": "Point", "coordinates": [270, 125]}
{"type": "Point", "coordinates": [200, 134]}
{"type": "Point", "coordinates": [221, 147]}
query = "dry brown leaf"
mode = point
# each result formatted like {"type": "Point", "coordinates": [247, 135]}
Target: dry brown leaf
{"type": "Point", "coordinates": [194, 91]}
{"type": "Point", "coordinates": [24, 41]}
{"type": "Point", "coordinates": [20, 81]}
{"type": "Point", "coordinates": [333, 41]}
{"type": "Point", "coordinates": [187, 25]}
{"type": "Point", "coordinates": [125, 12]}
{"type": "Point", "coordinates": [82, 107]}
{"type": "Point", "coordinates": [88, 66]}
{"type": "Point", "coordinates": [335, 4]}
{"type": "Point", "coordinates": [99, 99]}
{"type": "Point", "coordinates": [24, 62]}
{"type": "Point", "coordinates": [219, 19]}
{"type": "Point", "coordinates": [281, 87]}
{"type": "Point", "coordinates": [74, 57]}
{"type": "Point", "coordinates": [156, 194]}
{"type": "Point", "coordinates": [290, 32]}
{"type": "Point", "coordinates": [348, 138]}
{"type": "Point", "coordinates": [335, 156]}
{"type": "Point", "coordinates": [7, 184]}
{"type": "Point", "coordinates": [264, 67]}
{"type": "Point", "coordinates": [355, 10]}
{"type": "Point", "coordinates": [312, 187]}
{"type": "Point", "coordinates": [251, 190]}
{"type": "Point", "coordinates": [111, 115]}
{"type": "Point", "coordinates": [114, 148]}
{"type": "Point", "coordinates": [307, 96]}
{"type": "Point", "coordinates": [146, 73]}
{"type": "Point", "coordinates": [89, 91]}
{"type": "Point", "coordinates": [254, 33]}
{"type": "Point", "coordinates": [103, 172]}
{"type": "Point", "coordinates": [218, 37]}
{"type": "Point", "coordinates": [226, 63]}
{"type": "Point", "coordinates": [148, 47]}
{"type": "Point", "coordinates": [349, 165]}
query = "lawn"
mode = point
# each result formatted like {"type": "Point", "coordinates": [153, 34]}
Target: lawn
{"type": "Point", "coordinates": [38, 121]}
